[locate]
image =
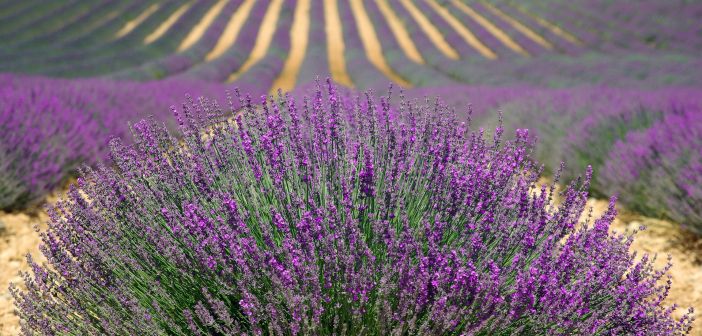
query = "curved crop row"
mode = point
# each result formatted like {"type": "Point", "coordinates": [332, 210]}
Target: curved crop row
{"type": "Point", "coordinates": [41, 140]}
{"type": "Point", "coordinates": [49, 128]}
{"type": "Point", "coordinates": [658, 171]}
{"type": "Point", "coordinates": [415, 72]}
{"type": "Point", "coordinates": [629, 136]}
{"type": "Point", "coordinates": [317, 59]}
{"type": "Point", "coordinates": [263, 71]}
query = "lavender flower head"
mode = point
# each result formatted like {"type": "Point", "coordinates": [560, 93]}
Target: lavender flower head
{"type": "Point", "coordinates": [337, 215]}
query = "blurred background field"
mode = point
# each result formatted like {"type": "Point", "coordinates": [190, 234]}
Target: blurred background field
{"type": "Point", "coordinates": [612, 84]}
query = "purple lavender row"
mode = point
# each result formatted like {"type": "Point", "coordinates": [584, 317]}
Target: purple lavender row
{"type": "Point", "coordinates": [534, 49]}
{"type": "Point", "coordinates": [334, 215]}
{"type": "Point", "coordinates": [316, 63]}
{"type": "Point", "coordinates": [430, 52]}
{"type": "Point", "coordinates": [107, 29]}
{"type": "Point", "coordinates": [635, 71]}
{"type": "Point", "coordinates": [130, 64]}
{"type": "Point", "coordinates": [21, 32]}
{"type": "Point", "coordinates": [614, 33]}
{"type": "Point", "coordinates": [96, 28]}
{"type": "Point", "coordinates": [262, 75]}
{"type": "Point", "coordinates": [41, 140]}
{"type": "Point", "coordinates": [661, 25]}
{"type": "Point", "coordinates": [554, 70]}
{"type": "Point", "coordinates": [563, 18]}
{"type": "Point", "coordinates": [363, 74]}
{"type": "Point", "coordinates": [87, 20]}
{"type": "Point", "coordinates": [93, 33]}
{"type": "Point", "coordinates": [604, 123]}
{"type": "Point", "coordinates": [482, 34]}
{"type": "Point", "coordinates": [658, 171]}
{"type": "Point", "coordinates": [50, 127]}
{"type": "Point", "coordinates": [453, 39]}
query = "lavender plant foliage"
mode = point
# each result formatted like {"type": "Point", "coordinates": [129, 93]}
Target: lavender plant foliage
{"type": "Point", "coordinates": [339, 215]}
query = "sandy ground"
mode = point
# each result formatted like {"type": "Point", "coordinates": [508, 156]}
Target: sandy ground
{"type": "Point", "coordinates": [665, 238]}
{"type": "Point", "coordinates": [18, 237]}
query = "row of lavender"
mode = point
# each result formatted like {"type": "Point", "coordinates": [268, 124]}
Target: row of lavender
{"type": "Point", "coordinates": [49, 127]}
{"type": "Point", "coordinates": [645, 145]}
{"type": "Point", "coordinates": [334, 215]}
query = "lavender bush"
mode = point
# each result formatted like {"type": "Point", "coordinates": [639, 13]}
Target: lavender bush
{"type": "Point", "coordinates": [339, 215]}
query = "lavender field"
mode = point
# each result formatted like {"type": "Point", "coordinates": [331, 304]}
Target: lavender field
{"type": "Point", "coordinates": [350, 167]}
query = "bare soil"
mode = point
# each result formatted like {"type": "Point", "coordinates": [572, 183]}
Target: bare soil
{"type": "Point", "coordinates": [17, 238]}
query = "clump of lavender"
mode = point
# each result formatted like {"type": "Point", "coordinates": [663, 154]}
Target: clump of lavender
{"type": "Point", "coordinates": [658, 171]}
{"type": "Point", "coordinates": [338, 215]}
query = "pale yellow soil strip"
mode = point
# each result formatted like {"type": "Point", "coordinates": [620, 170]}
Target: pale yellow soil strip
{"type": "Point", "coordinates": [494, 30]}
{"type": "Point", "coordinates": [335, 44]}
{"type": "Point", "coordinates": [430, 30]}
{"type": "Point", "coordinates": [299, 36]}
{"type": "Point", "coordinates": [548, 25]}
{"type": "Point", "coordinates": [231, 31]}
{"type": "Point", "coordinates": [201, 27]}
{"type": "Point", "coordinates": [532, 35]}
{"type": "Point", "coordinates": [369, 38]}
{"type": "Point", "coordinates": [95, 24]}
{"type": "Point", "coordinates": [113, 14]}
{"type": "Point", "coordinates": [166, 25]}
{"type": "Point", "coordinates": [398, 29]}
{"type": "Point", "coordinates": [132, 24]}
{"type": "Point", "coordinates": [462, 30]}
{"type": "Point", "coordinates": [16, 240]}
{"type": "Point", "coordinates": [263, 39]}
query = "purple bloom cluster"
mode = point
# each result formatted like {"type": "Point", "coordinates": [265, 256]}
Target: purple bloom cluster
{"type": "Point", "coordinates": [339, 214]}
